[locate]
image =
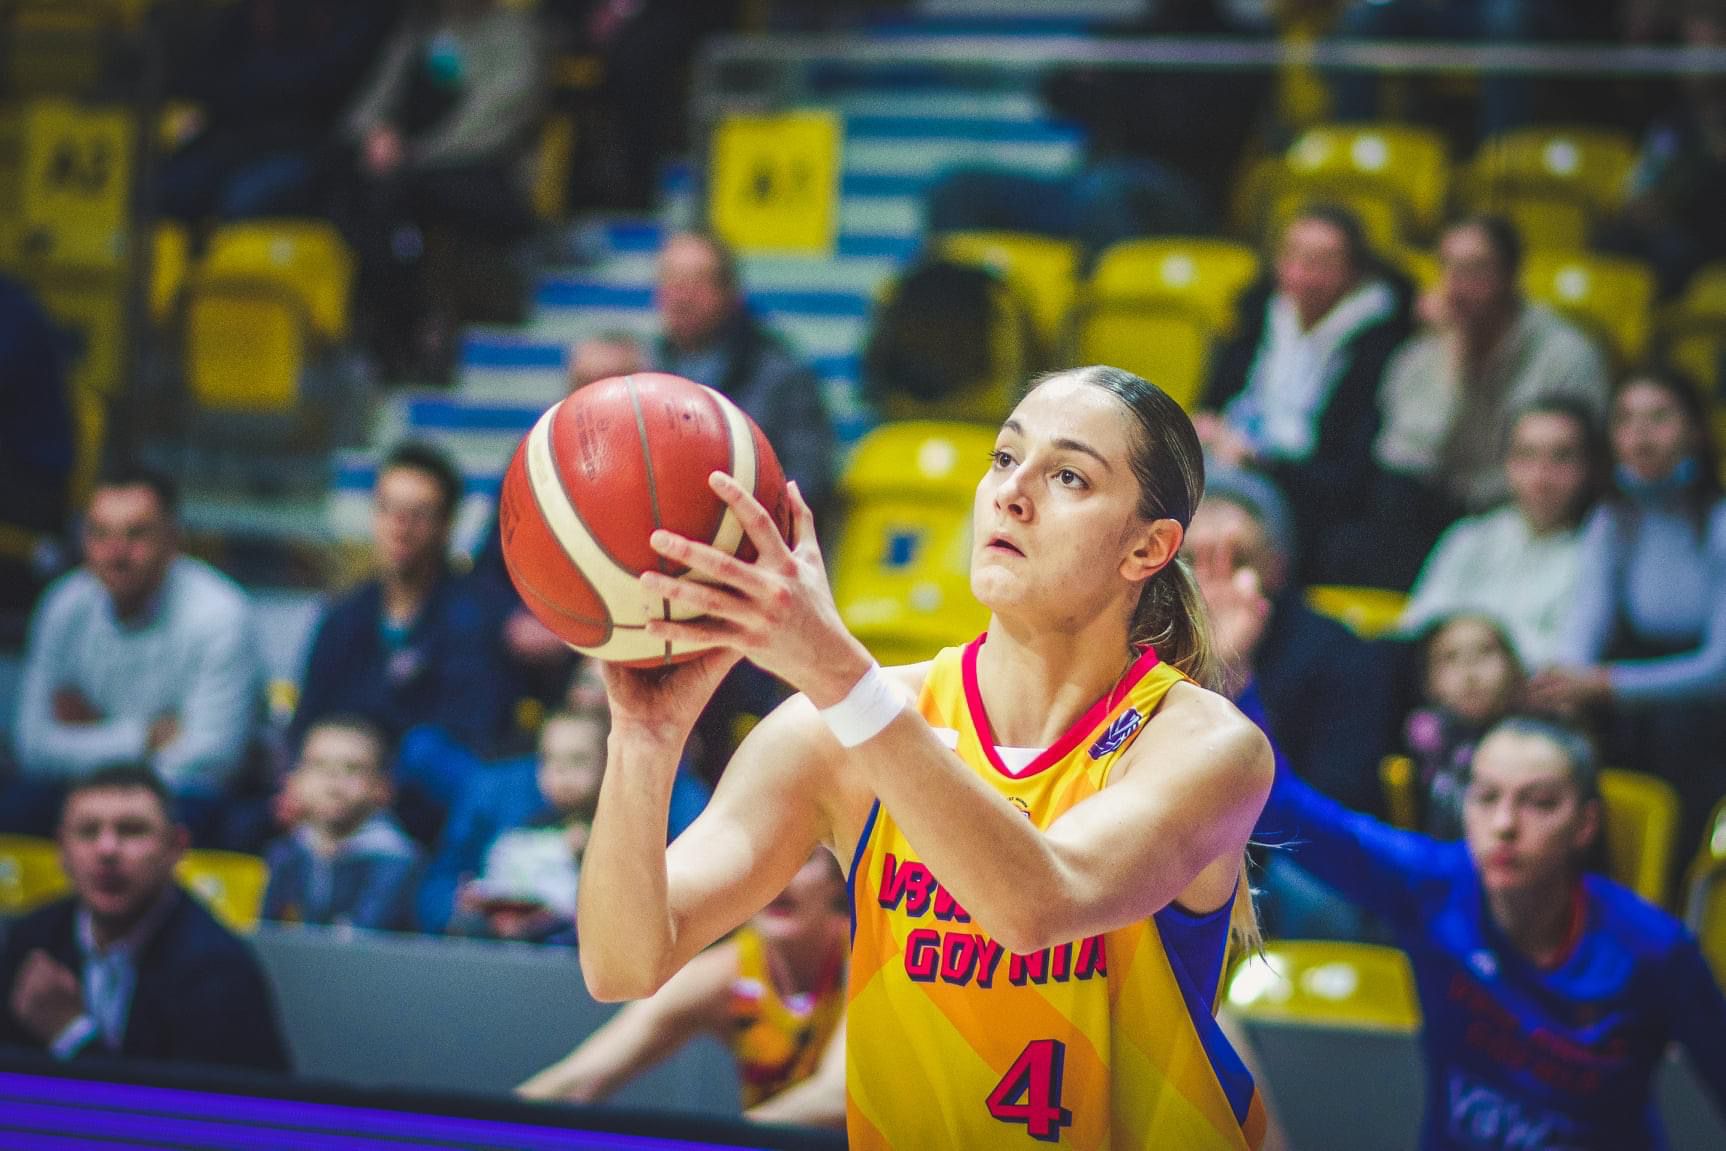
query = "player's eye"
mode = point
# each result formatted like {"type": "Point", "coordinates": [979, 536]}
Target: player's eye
{"type": "Point", "coordinates": [1069, 478]}
{"type": "Point", "coordinates": [1001, 458]}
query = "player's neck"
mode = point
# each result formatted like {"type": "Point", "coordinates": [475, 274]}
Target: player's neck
{"type": "Point", "coordinates": [1035, 685]}
{"type": "Point", "coordinates": [1539, 921]}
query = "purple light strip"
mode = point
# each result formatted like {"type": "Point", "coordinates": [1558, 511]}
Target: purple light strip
{"type": "Point", "coordinates": [311, 1119]}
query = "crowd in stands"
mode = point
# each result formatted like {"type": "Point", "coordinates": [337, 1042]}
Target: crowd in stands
{"type": "Point", "coordinates": [1557, 518]}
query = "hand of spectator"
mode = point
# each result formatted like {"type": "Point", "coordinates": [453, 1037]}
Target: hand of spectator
{"type": "Point", "coordinates": [519, 923]}
{"type": "Point", "coordinates": [1569, 691]}
{"type": "Point", "coordinates": [531, 642]}
{"type": "Point", "coordinates": [164, 729]}
{"type": "Point", "coordinates": [575, 837]}
{"type": "Point", "coordinates": [383, 151]}
{"type": "Point", "coordinates": [70, 706]}
{"type": "Point", "coordinates": [46, 997]}
{"type": "Point", "coordinates": [286, 808]}
{"type": "Point", "coordinates": [1221, 442]}
{"type": "Point", "coordinates": [470, 896]}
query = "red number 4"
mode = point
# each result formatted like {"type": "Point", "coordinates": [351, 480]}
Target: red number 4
{"type": "Point", "coordinates": [1030, 1091]}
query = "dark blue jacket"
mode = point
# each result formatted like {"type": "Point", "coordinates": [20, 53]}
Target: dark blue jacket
{"type": "Point", "coordinates": [37, 434]}
{"type": "Point", "coordinates": [200, 996]}
{"type": "Point", "coordinates": [451, 670]}
{"type": "Point", "coordinates": [369, 882]}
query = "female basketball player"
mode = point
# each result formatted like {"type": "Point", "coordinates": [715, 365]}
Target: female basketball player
{"type": "Point", "coordinates": [1044, 828]}
{"type": "Point", "coordinates": [1549, 995]}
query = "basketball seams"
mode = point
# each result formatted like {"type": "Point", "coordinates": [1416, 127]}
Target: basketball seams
{"type": "Point", "coordinates": [652, 487]}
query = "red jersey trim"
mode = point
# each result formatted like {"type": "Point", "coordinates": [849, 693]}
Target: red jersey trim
{"type": "Point", "coordinates": [1082, 727]}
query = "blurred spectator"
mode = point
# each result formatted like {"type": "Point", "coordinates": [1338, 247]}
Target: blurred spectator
{"type": "Point", "coordinates": [347, 862]}
{"type": "Point", "coordinates": [774, 993]}
{"type": "Point", "coordinates": [442, 142]}
{"type": "Point", "coordinates": [269, 83]}
{"type": "Point", "coordinates": [1326, 696]}
{"type": "Point", "coordinates": [1450, 394]}
{"type": "Point", "coordinates": [1673, 218]}
{"type": "Point", "coordinates": [38, 443]}
{"type": "Point", "coordinates": [1473, 680]}
{"type": "Point", "coordinates": [1294, 394]}
{"type": "Point", "coordinates": [1518, 564]}
{"type": "Point", "coordinates": [1646, 637]}
{"type": "Point", "coordinates": [709, 336]}
{"type": "Point", "coordinates": [934, 338]}
{"type": "Point", "coordinates": [507, 862]}
{"type": "Point", "coordinates": [130, 965]}
{"type": "Point", "coordinates": [416, 644]}
{"type": "Point", "coordinates": [542, 660]}
{"type": "Point", "coordinates": [644, 48]}
{"type": "Point", "coordinates": [140, 654]}
{"type": "Point", "coordinates": [1506, 99]}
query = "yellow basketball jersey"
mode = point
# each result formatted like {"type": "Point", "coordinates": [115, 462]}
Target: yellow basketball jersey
{"type": "Point", "coordinates": [1106, 1044]}
{"type": "Point", "coordinates": [777, 1043]}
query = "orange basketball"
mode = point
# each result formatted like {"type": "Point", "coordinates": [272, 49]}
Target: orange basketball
{"type": "Point", "coordinates": [592, 481]}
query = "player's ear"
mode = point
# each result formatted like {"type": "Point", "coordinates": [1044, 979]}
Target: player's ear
{"type": "Point", "coordinates": [1152, 546]}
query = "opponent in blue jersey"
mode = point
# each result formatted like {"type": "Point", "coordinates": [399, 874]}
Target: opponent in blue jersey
{"type": "Point", "coordinates": [1549, 995]}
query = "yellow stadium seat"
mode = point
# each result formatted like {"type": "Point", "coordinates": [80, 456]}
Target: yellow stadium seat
{"type": "Point", "coordinates": [1404, 166]}
{"type": "Point", "coordinates": [231, 884]}
{"type": "Point", "coordinates": [1401, 799]}
{"type": "Point", "coordinates": [90, 306]}
{"type": "Point", "coordinates": [1693, 328]}
{"type": "Point", "coordinates": [1609, 296]}
{"type": "Point", "coordinates": [1705, 893]}
{"type": "Point", "coordinates": [1154, 307]}
{"type": "Point", "coordinates": [1042, 270]}
{"type": "Point", "coordinates": [1640, 825]}
{"type": "Point", "coordinates": [1360, 986]}
{"type": "Point", "coordinates": [170, 259]}
{"type": "Point", "coordinates": [306, 257]}
{"type": "Point", "coordinates": [1554, 183]}
{"type": "Point", "coordinates": [245, 346]}
{"type": "Point", "coordinates": [30, 873]}
{"type": "Point", "coordinates": [1367, 611]}
{"type": "Point", "coordinates": [1380, 217]}
{"type": "Point", "coordinates": [901, 573]}
{"type": "Point", "coordinates": [552, 168]}
{"type": "Point", "coordinates": [90, 410]}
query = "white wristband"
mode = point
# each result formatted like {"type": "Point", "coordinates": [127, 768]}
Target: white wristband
{"type": "Point", "coordinates": [873, 703]}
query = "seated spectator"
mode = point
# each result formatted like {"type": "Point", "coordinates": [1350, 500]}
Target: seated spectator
{"type": "Point", "coordinates": [1323, 695]}
{"type": "Point", "coordinates": [774, 993]}
{"type": "Point", "coordinates": [1645, 642]}
{"type": "Point", "coordinates": [130, 965]}
{"type": "Point", "coordinates": [416, 644]}
{"type": "Point", "coordinates": [140, 654]}
{"type": "Point", "coordinates": [269, 82]}
{"type": "Point", "coordinates": [1294, 395]}
{"type": "Point", "coordinates": [1518, 563]}
{"type": "Point", "coordinates": [1450, 395]}
{"type": "Point", "coordinates": [442, 143]}
{"type": "Point", "coordinates": [1473, 680]}
{"type": "Point", "coordinates": [38, 445]}
{"type": "Point", "coordinates": [708, 335]}
{"type": "Point", "coordinates": [931, 344]}
{"type": "Point", "coordinates": [1671, 218]}
{"type": "Point", "coordinates": [347, 861]}
{"type": "Point", "coordinates": [542, 660]}
{"type": "Point", "coordinates": [507, 862]}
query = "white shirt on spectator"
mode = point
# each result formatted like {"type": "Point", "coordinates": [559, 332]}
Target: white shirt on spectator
{"type": "Point", "coordinates": [1494, 565]}
{"type": "Point", "coordinates": [192, 653]}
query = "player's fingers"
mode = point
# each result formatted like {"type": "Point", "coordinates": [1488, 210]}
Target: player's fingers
{"type": "Point", "coordinates": [802, 521]}
{"type": "Point", "coordinates": [757, 524]}
{"type": "Point", "coordinates": [706, 632]}
{"type": "Point", "coordinates": [705, 599]}
{"type": "Point", "coordinates": [708, 561]}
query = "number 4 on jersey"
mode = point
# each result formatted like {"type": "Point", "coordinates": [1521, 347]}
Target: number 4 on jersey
{"type": "Point", "coordinates": [1030, 1091]}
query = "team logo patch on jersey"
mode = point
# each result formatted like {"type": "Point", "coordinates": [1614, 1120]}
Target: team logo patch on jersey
{"type": "Point", "coordinates": [1125, 725]}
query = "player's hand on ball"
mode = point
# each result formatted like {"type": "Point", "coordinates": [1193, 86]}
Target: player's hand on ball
{"type": "Point", "coordinates": [777, 611]}
{"type": "Point", "coordinates": [663, 703]}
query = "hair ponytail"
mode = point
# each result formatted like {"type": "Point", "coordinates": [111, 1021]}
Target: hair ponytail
{"type": "Point", "coordinates": [1172, 618]}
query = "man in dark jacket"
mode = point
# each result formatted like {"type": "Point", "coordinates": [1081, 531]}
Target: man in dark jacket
{"type": "Point", "coordinates": [130, 966]}
{"type": "Point", "coordinates": [1295, 394]}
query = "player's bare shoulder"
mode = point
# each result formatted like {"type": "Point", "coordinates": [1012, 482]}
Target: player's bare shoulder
{"type": "Point", "coordinates": [1195, 720]}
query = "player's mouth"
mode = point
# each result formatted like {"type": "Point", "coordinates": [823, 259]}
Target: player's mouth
{"type": "Point", "coordinates": [1001, 544]}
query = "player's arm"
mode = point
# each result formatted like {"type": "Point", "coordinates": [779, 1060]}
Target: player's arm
{"type": "Point", "coordinates": [644, 910]}
{"type": "Point", "coordinates": [818, 1101]}
{"type": "Point", "coordinates": [641, 1033]}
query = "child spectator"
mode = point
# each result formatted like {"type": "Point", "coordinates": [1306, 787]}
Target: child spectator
{"type": "Point", "coordinates": [347, 862]}
{"type": "Point", "coordinates": [1473, 680]}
